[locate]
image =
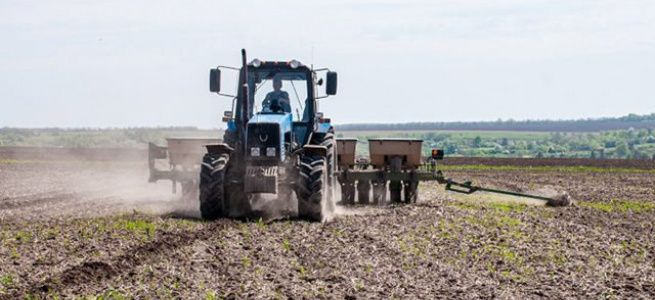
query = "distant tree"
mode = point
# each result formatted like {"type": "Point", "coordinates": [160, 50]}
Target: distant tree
{"type": "Point", "coordinates": [477, 141]}
{"type": "Point", "coordinates": [531, 146]}
{"type": "Point", "coordinates": [451, 149]}
{"type": "Point", "coordinates": [622, 150]}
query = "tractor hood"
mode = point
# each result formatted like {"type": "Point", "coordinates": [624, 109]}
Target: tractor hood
{"type": "Point", "coordinates": [284, 120]}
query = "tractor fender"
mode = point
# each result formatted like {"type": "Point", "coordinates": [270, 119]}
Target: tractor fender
{"type": "Point", "coordinates": [322, 127]}
{"type": "Point", "coordinates": [219, 149]}
{"type": "Point", "coordinates": [313, 150]}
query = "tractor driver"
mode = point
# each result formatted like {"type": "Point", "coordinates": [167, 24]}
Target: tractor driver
{"type": "Point", "coordinates": [281, 96]}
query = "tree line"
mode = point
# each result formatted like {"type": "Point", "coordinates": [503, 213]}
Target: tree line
{"type": "Point", "coordinates": [581, 125]}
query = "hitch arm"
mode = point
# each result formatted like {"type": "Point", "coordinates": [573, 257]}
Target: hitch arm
{"type": "Point", "coordinates": [468, 188]}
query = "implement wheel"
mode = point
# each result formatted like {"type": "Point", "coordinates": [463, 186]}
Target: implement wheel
{"type": "Point", "coordinates": [395, 191]}
{"type": "Point", "coordinates": [411, 191]}
{"type": "Point", "coordinates": [379, 192]}
{"type": "Point", "coordinates": [363, 192]}
{"type": "Point", "coordinates": [348, 193]}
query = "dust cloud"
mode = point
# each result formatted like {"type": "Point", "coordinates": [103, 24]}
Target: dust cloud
{"type": "Point", "coordinates": [83, 184]}
{"type": "Point", "coordinates": [67, 184]}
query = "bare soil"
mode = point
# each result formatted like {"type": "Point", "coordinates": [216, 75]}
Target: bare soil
{"type": "Point", "coordinates": [96, 229]}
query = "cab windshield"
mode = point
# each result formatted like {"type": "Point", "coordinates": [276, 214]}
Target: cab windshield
{"type": "Point", "coordinates": [279, 92]}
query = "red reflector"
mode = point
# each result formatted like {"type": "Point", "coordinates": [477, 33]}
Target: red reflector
{"type": "Point", "coordinates": [437, 154]}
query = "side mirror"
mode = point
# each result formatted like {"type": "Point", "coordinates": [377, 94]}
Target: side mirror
{"type": "Point", "coordinates": [331, 86]}
{"type": "Point", "coordinates": [215, 80]}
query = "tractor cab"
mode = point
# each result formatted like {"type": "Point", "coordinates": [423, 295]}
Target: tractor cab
{"type": "Point", "coordinates": [282, 100]}
{"type": "Point", "coordinates": [281, 91]}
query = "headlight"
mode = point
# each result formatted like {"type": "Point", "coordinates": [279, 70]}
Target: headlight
{"type": "Point", "coordinates": [294, 64]}
{"type": "Point", "coordinates": [270, 151]}
{"type": "Point", "coordinates": [254, 151]}
{"type": "Point", "coordinates": [256, 63]}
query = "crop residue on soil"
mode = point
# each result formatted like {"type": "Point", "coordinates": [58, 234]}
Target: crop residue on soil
{"type": "Point", "coordinates": [439, 247]}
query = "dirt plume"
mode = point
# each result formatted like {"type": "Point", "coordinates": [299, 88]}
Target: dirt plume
{"type": "Point", "coordinates": [78, 188]}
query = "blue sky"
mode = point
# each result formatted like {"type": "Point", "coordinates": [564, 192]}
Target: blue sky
{"type": "Point", "coordinates": [145, 63]}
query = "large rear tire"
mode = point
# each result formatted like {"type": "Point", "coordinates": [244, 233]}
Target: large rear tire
{"type": "Point", "coordinates": [327, 140]}
{"type": "Point", "coordinates": [212, 186]}
{"type": "Point", "coordinates": [313, 189]}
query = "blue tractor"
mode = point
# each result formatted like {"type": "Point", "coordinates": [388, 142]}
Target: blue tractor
{"type": "Point", "coordinates": [276, 143]}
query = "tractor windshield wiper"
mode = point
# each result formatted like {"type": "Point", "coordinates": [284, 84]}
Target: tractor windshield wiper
{"type": "Point", "coordinates": [255, 93]}
{"type": "Point", "coordinates": [298, 99]}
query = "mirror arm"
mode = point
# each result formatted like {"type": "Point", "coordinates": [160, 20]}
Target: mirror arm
{"type": "Point", "coordinates": [226, 67]}
{"type": "Point", "coordinates": [226, 95]}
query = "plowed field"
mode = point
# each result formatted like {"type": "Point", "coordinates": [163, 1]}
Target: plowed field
{"type": "Point", "coordinates": [98, 230]}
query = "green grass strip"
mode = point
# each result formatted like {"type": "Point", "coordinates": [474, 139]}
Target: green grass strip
{"type": "Point", "coordinates": [636, 206]}
{"type": "Point", "coordinates": [548, 169]}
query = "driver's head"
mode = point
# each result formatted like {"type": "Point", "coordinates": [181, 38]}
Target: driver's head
{"type": "Point", "coordinates": [277, 84]}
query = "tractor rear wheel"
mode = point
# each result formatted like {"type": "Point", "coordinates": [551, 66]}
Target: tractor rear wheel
{"type": "Point", "coordinates": [212, 186]}
{"type": "Point", "coordinates": [327, 140]}
{"type": "Point", "coordinates": [313, 188]}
